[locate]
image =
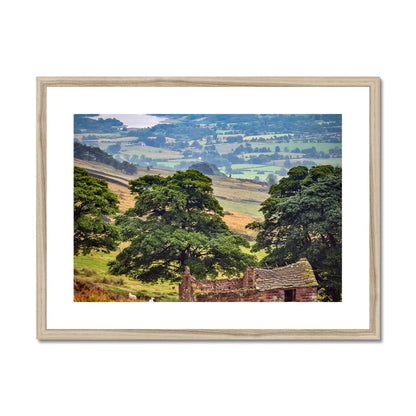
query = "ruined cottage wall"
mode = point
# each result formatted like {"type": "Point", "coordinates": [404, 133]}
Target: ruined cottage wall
{"type": "Point", "coordinates": [306, 294]}
{"type": "Point", "coordinates": [217, 285]}
{"type": "Point", "coordinates": [186, 287]}
{"type": "Point", "coordinates": [189, 286]}
{"type": "Point", "coordinates": [243, 295]}
{"type": "Point", "coordinates": [249, 278]}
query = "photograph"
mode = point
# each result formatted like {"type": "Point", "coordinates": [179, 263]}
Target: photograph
{"type": "Point", "coordinates": [207, 207]}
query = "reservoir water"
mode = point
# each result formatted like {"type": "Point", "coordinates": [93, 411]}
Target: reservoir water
{"type": "Point", "coordinates": [134, 120]}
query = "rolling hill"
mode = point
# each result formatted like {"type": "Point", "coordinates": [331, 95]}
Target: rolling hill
{"type": "Point", "coordinates": [240, 199]}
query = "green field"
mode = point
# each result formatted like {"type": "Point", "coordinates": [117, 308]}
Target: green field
{"type": "Point", "coordinates": [320, 147]}
{"type": "Point", "coordinates": [332, 161]}
{"type": "Point", "coordinates": [170, 164]}
{"type": "Point", "coordinates": [148, 151]}
{"type": "Point", "coordinates": [266, 136]}
{"type": "Point", "coordinates": [249, 171]}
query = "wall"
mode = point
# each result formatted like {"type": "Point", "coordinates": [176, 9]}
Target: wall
{"type": "Point", "coordinates": [243, 295]}
{"type": "Point", "coordinates": [243, 38]}
{"type": "Point", "coordinates": [304, 294]}
{"type": "Point", "coordinates": [223, 284]}
{"type": "Point", "coordinates": [190, 288]}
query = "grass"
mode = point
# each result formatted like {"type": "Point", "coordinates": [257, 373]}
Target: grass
{"type": "Point", "coordinates": [332, 161]}
{"type": "Point", "coordinates": [237, 224]}
{"type": "Point", "coordinates": [171, 163]}
{"type": "Point", "coordinates": [259, 254]}
{"type": "Point", "coordinates": [92, 269]}
{"type": "Point", "coordinates": [250, 171]}
{"type": "Point", "coordinates": [241, 207]}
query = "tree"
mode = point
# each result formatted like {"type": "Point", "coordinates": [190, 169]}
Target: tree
{"type": "Point", "coordinates": [271, 179]}
{"type": "Point", "coordinates": [206, 168]}
{"type": "Point", "coordinates": [303, 218]}
{"type": "Point", "coordinates": [176, 222]}
{"type": "Point", "coordinates": [93, 203]}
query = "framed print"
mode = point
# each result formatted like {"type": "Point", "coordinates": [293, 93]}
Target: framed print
{"type": "Point", "coordinates": [219, 208]}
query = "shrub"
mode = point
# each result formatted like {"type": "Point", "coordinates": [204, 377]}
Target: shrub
{"type": "Point", "coordinates": [88, 272]}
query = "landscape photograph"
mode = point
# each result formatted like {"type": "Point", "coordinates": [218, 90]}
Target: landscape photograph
{"type": "Point", "coordinates": [207, 207]}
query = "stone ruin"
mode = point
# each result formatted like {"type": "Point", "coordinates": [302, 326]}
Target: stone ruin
{"type": "Point", "coordinates": [292, 283]}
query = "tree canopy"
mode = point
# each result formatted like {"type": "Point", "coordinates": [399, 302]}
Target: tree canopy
{"type": "Point", "coordinates": [176, 222]}
{"type": "Point", "coordinates": [93, 203]}
{"type": "Point", "coordinates": [206, 168]}
{"type": "Point", "coordinates": [303, 218]}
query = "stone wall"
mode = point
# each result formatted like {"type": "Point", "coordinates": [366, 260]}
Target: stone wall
{"type": "Point", "coordinates": [306, 294]}
{"type": "Point", "coordinates": [218, 285]}
{"type": "Point", "coordinates": [242, 295]}
{"type": "Point", "coordinates": [249, 278]}
{"type": "Point", "coordinates": [186, 286]}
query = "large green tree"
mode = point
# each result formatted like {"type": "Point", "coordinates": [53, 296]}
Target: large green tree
{"type": "Point", "coordinates": [93, 203]}
{"type": "Point", "coordinates": [176, 222]}
{"type": "Point", "coordinates": [303, 218]}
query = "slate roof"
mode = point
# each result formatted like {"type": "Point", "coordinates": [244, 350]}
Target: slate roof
{"type": "Point", "coordinates": [294, 275]}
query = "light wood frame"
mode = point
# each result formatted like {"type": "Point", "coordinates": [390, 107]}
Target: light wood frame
{"type": "Point", "coordinates": [372, 333]}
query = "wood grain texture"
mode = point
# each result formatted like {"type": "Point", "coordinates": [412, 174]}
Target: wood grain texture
{"type": "Point", "coordinates": [375, 323]}
{"type": "Point", "coordinates": [208, 81]}
{"type": "Point", "coordinates": [373, 331]}
{"type": "Point", "coordinates": [41, 179]}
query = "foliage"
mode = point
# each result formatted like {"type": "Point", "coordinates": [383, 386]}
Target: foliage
{"type": "Point", "coordinates": [93, 202]}
{"type": "Point", "coordinates": [303, 218]}
{"type": "Point", "coordinates": [271, 179]}
{"type": "Point", "coordinates": [84, 122]}
{"type": "Point", "coordinates": [85, 152]}
{"type": "Point", "coordinates": [206, 168]}
{"type": "Point", "coordinates": [176, 222]}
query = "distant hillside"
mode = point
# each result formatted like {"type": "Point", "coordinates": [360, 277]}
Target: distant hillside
{"type": "Point", "coordinates": [245, 146]}
{"type": "Point", "coordinates": [90, 153]}
{"type": "Point", "coordinates": [83, 123]}
{"type": "Point", "coordinates": [240, 199]}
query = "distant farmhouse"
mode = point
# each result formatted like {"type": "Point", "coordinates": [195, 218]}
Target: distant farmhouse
{"type": "Point", "coordinates": [293, 283]}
